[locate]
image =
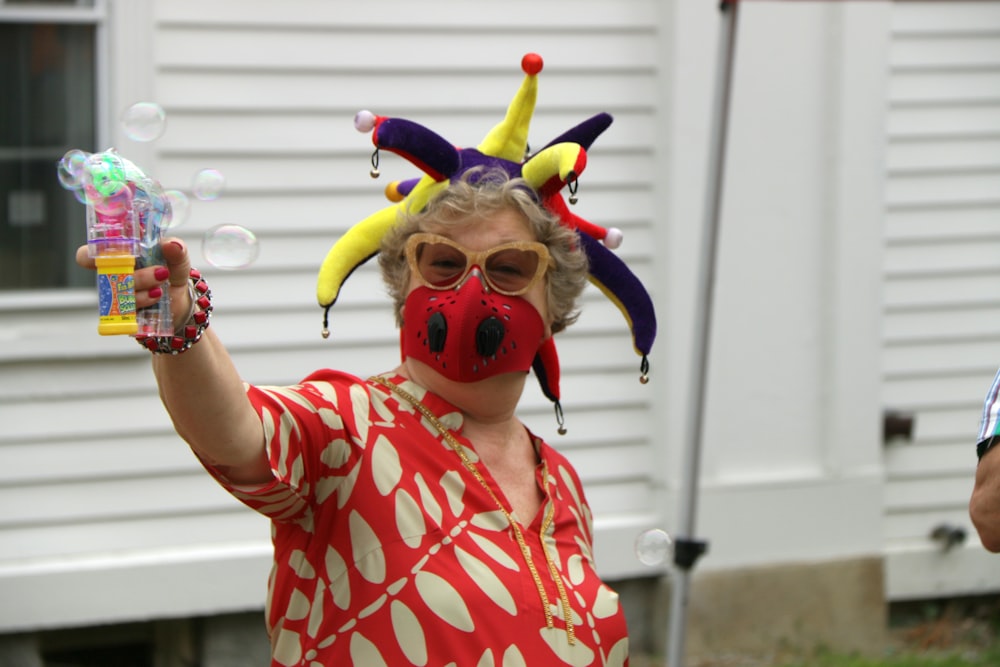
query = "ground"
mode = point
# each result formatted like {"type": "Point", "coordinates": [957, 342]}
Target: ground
{"type": "Point", "coordinates": [966, 631]}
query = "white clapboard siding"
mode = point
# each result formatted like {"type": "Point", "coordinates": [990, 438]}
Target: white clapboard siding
{"type": "Point", "coordinates": [97, 494]}
{"type": "Point", "coordinates": [942, 282]}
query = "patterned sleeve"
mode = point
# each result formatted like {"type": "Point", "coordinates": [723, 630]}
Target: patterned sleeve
{"type": "Point", "coordinates": [310, 433]}
{"type": "Point", "coordinates": [989, 426]}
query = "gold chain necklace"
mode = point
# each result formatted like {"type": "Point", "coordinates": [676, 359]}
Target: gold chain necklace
{"type": "Point", "coordinates": [457, 447]}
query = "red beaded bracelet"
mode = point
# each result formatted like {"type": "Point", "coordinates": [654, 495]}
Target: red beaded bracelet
{"type": "Point", "coordinates": [190, 333]}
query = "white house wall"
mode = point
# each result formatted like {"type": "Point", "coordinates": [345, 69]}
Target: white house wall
{"type": "Point", "coordinates": [942, 277]}
{"type": "Point", "coordinates": [791, 466]}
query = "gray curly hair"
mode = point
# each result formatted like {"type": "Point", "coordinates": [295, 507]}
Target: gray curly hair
{"type": "Point", "coordinates": [480, 195]}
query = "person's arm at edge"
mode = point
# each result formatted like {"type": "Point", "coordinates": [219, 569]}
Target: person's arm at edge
{"type": "Point", "coordinates": [984, 506]}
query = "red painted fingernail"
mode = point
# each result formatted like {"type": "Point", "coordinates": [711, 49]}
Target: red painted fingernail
{"type": "Point", "coordinates": [161, 273]}
{"type": "Point", "coordinates": [155, 293]}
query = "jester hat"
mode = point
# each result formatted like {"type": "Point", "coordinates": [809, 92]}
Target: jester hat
{"type": "Point", "coordinates": [547, 172]}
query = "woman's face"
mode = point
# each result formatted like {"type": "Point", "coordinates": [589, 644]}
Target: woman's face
{"type": "Point", "coordinates": [504, 227]}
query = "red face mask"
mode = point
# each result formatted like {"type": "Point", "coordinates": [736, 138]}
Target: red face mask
{"type": "Point", "coordinates": [471, 333]}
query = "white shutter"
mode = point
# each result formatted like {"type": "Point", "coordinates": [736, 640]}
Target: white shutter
{"type": "Point", "coordinates": [942, 284]}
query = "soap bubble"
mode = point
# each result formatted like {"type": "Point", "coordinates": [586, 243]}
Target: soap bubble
{"type": "Point", "coordinates": [230, 247]}
{"type": "Point", "coordinates": [180, 208]}
{"type": "Point", "coordinates": [70, 169]}
{"type": "Point", "coordinates": [208, 184]}
{"type": "Point", "coordinates": [144, 121]}
{"type": "Point", "coordinates": [653, 547]}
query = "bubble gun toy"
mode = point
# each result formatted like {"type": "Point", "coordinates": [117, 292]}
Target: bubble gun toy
{"type": "Point", "coordinates": [127, 214]}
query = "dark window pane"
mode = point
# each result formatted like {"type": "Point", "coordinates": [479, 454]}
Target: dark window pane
{"type": "Point", "coordinates": [132, 655]}
{"type": "Point", "coordinates": [47, 71]}
{"type": "Point", "coordinates": [48, 3]}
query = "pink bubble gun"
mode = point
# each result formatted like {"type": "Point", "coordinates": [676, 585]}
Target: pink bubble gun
{"type": "Point", "coordinates": [127, 214]}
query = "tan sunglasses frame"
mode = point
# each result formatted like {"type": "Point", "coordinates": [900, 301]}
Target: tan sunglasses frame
{"type": "Point", "coordinates": [477, 258]}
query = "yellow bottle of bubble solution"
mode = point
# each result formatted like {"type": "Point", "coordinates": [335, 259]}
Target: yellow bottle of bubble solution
{"type": "Point", "coordinates": [116, 295]}
{"type": "Point", "coordinates": [113, 242]}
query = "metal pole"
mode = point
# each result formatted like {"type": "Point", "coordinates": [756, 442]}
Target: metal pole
{"type": "Point", "coordinates": [687, 549]}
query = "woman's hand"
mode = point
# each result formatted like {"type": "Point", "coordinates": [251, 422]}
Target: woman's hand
{"type": "Point", "coordinates": [149, 280]}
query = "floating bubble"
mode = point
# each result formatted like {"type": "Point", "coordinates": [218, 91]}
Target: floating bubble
{"type": "Point", "coordinates": [144, 121]}
{"type": "Point", "coordinates": [70, 169]}
{"type": "Point", "coordinates": [653, 547]}
{"type": "Point", "coordinates": [230, 247]}
{"type": "Point", "coordinates": [180, 207]}
{"type": "Point", "coordinates": [208, 184]}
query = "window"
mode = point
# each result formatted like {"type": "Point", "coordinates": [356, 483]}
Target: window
{"type": "Point", "coordinates": [117, 645]}
{"type": "Point", "coordinates": [47, 72]}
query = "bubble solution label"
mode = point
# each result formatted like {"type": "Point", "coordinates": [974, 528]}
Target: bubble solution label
{"type": "Point", "coordinates": [116, 296]}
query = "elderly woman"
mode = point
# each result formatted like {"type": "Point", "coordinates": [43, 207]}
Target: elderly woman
{"type": "Point", "coordinates": [415, 519]}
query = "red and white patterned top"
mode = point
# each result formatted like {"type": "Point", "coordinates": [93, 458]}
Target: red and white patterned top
{"type": "Point", "coordinates": [388, 551]}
